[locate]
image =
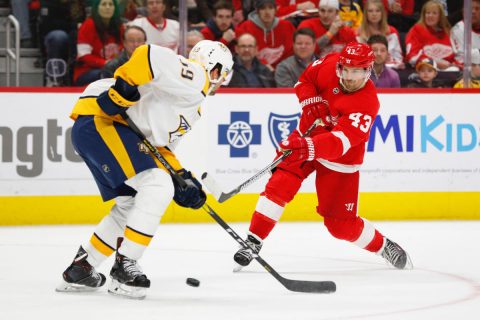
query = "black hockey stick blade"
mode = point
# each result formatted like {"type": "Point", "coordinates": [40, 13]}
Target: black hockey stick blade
{"type": "Point", "coordinates": [292, 285]}
{"type": "Point", "coordinates": [299, 285]}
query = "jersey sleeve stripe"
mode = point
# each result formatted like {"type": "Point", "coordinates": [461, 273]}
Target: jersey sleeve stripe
{"type": "Point", "coordinates": [345, 142]}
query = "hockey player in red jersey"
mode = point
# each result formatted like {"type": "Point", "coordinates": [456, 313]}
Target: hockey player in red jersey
{"type": "Point", "coordinates": [337, 90]}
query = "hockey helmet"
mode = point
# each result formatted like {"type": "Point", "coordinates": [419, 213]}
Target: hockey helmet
{"type": "Point", "coordinates": [213, 55]}
{"type": "Point", "coordinates": [355, 63]}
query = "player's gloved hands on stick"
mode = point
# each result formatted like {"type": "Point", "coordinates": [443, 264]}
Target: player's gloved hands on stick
{"type": "Point", "coordinates": [312, 112]}
{"type": "Point", "coordinates": [302, 149]}
{"type": "Point", "coordinates": [190, 196]}
{"type": "Point", "coordinates": [119, 97]}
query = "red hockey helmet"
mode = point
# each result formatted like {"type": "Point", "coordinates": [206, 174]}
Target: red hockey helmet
{"type": "Point", "coordinates": [354, 66]}
{"type": "Point", "coordinates": [356, 55]}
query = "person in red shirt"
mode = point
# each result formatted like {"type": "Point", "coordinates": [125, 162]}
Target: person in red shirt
{"type": "Point", "coordinates": [337, 90]}
{"type": "Point", "coordinates": [99, 40]}
{"type": "Point", "coordinates": [220, 27]}
{"type": "Point", "coordinates": [332, 35]}
{"type": "Point", "coordinates": [274, 36]}
{"type": "Point", "coordinates": [430, 36]}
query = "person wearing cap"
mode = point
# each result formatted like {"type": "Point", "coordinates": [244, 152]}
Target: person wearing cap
{"type": "Point", "coordinates": [427, 71]}
{"type": "Point", "coordinates": [474, 71]}
{"type": "Point", "coordinates": [274, 36]}
{"type": "Point", "coordinates": [331, 33]}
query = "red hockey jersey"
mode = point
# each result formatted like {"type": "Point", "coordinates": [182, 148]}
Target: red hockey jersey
{"type": "Point", "coordinates": [343, 148]}
{"type": "Point", "coordinates": [274, 45]}
{"type": "Point", "coordinates": [421, 40]}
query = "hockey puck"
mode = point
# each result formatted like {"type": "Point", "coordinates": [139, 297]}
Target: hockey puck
{"type": "Point", "coordinates": [193, 282]}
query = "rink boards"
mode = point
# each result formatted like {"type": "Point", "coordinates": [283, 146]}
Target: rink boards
{"type": "Point", "coordinates": [422, 159]}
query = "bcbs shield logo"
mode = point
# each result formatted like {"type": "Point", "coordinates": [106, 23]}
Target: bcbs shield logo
{"type": "Point", "coordinates": [280, 126]}
{"type": "Point", "coordinates": [239, 134]}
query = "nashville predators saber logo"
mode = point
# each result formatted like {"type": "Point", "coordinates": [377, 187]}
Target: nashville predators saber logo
{"type": "Point", "coordinates": [183, 128]}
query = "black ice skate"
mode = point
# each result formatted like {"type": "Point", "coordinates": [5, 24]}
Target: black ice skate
{"type": "Point", "coordinates": [395, 255]}
{"type": "Point", "coordinates": [127, 278]}
{"type": "Point", "coordinates": [244, 256]}
{"type": "Point", "coordinates": [81, 276]}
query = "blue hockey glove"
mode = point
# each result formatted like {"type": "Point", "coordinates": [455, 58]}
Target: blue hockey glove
{"type": "Point", "coordinates": [192, 195]}
{"type": "Point", "coordinates": [119, 97]}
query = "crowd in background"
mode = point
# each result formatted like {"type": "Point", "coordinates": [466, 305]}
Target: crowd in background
{"type": "Point", "coordinates": [417, 43]}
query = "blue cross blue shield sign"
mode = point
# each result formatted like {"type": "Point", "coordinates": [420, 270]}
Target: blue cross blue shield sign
{"type": "Point", "coordinates": [280, 126]}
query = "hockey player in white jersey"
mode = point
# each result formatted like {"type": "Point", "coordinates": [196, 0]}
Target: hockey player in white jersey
{"type": "Point", "coordinates": [161, 92]}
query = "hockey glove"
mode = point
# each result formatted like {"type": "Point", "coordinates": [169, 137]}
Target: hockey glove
{"type": "Point", "coordinates": [314, 111]}
{"type": "Point", "coordinates": [190, 196]}
{"type": "Point", "coordinates": [119, 97]}
{"type": "Point", "coordinates": [302, 149]}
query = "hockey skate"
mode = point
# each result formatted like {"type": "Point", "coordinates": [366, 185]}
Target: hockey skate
{"type": "Point", "coordinates": [395, 255]}
{"type": "Point", "coordinates": [128, 280]}
{"type": "Point", "coordinates": [244, 256]}
{"type": "Point", "coordinates": [81, 276]}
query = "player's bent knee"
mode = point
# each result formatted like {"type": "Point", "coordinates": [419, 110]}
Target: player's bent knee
{"type": "Point", "coordinates": [343, 228]}
{"type": "Point", "coordinates": [282, 187]}
{"type": "Point", "coordinates": [154, 190]}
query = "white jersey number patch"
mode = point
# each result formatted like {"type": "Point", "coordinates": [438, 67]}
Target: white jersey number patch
{"type": "Point", "coordinates": [361, 121]}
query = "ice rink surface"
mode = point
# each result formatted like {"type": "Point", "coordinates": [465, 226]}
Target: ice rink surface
{"type": "Point", "coordinates": [445, 283]}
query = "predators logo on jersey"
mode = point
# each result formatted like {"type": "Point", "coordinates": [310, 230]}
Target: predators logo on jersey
{"type": "Point", "coordinates": [183, 128]}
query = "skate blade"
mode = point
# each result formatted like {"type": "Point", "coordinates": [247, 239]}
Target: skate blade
{"type": "Point", "coordinates": [74, 287]}
{"type": "Point", "coordinates": [409, 264]}
{"type": "Point", "coordinates": [120, 289]}
{"type": "Point", "coordinates": [237, 267]}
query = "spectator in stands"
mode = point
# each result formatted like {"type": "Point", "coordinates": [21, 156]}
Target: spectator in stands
{"type": "Point", "coordinates": [58, 25]}
{"type": "Point", "coordinates": [296, 11]}
{"type": "Point", "coordinates": [289, 70]}
{"type": "Point", "coordinates": [99, 40]}
{"type": "Point", "coordinates": [21, 12]}
{"type": "Point", "coordinates": [273, 36]}
{"type": "Point", "coordinates": [160, 30]}
{"type": "Point", "coordinates": [474, 72]}
{"type": "Point", "coordinates": [130, 9]}
{"type": "Point", "coordinates": [401, 13]}
{"type": "Point", "coordinates": [382, 76]}
{"type": "Point", "coordinates": [331, 33]}
{"type": "Point", "coordinates": [193, 37]}
{"type": "Point", "coordinates": [242, 8]}
{"type": "Point", "coordinates": [248, 71]}
{"type": "Point", "coordinates": [220, 27]}
{"type": "Point", "coordinates": [426, 74]}
{"type": "Point", "coordinates": [458, 31]}
{"type": "Point", "coordinates": [430, 36]}
{"type": "Point", "coordinates": [350, 13]}
{"type": "Point", "coordinates": [375, 23]}
{"type": "Point", "coordinates": [133, 37]}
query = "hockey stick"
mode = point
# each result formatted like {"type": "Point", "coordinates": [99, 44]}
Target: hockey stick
{"type": "Point", "coordinates": [292, 285]}
{"type": "Point", "coordinates": [221, 196]}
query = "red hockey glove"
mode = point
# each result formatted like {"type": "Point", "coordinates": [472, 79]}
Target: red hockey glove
{"type": "Point", "coordinates": [302, 149]}
{"type": "Point", "coordinates": [313, 111]}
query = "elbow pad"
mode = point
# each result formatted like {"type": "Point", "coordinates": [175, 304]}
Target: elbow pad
{"type": "Point", "coordinates": [120, 95]}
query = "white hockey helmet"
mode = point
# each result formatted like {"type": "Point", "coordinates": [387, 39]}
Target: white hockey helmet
{"type": "Point", "coordinates": [212, 55]}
